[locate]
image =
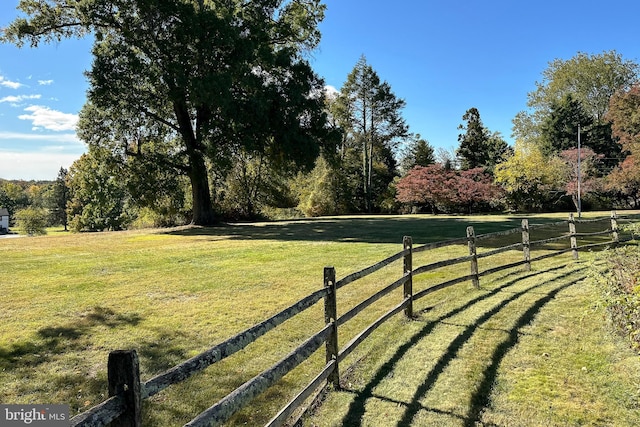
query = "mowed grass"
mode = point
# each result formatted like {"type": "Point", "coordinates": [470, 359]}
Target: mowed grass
{"type": "Point", "coordinates": [70, 299]}
{"type": "Point", "coordinates": [526, 349]}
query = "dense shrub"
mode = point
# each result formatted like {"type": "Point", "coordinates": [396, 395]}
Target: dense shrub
{"type": "Point", "coordinates": [32, 221]}
{"type": "Point", "coordinates": [617, 274]}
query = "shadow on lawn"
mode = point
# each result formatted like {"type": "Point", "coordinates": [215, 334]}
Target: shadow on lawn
{"type": "Point", "coordinates": [480, 398]}
{"type": "Point", "coordinates": [158, 352]}
{"type": "Point", "coordinates": [374, 229]}
{"type": "Point", "coordinates": [56, 340]}
{"type": "Point", "coordinates": [354, 416]}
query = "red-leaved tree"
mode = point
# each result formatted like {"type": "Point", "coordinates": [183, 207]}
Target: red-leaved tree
{"type": "Point", "coordinates": [474, 187]}
{"type": "Point", "coordinates": [625, 179]}
{"type": "Point", "coordinates": [439, 189]}
{"type": "Point", "coordinates": [624, 114]}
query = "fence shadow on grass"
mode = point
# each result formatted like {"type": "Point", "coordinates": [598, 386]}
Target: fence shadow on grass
{"type": "Point", "coordinates": [480, 398]}
{"type": "Point", "coordinates": [368, 229]}
{"type": "Point", "coordinates": [356, 411]}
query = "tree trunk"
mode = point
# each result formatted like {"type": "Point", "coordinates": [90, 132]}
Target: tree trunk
{"type": "Point", "coordinates": [369, 177]}
{"type": "Point", "coordinates": [365, 154]}
{"type": "Point", "coordinates": [202, 208]}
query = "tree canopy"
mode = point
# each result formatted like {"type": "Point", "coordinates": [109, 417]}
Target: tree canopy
{"type": "Point", "coordinates": [418, 152]}
{"type": "Point", "coordinates": [578, 92]}
{"type": "Point", "coordinates": [559, 129]}
{"type": "Point", "coordinates": [530, 178]}
{"type": "Point", "coordinates": [624, 114]}
{"type": "Point", "coordinates": [189, 83]}
{"type": "Point", "coordinates": [590, 79]}
{"type": "Point", "coordinates": [369, 114]}
{"type": "Point", "coordinates": [440, 189]}
{"type": "Point", "coordinates": [477, 146]}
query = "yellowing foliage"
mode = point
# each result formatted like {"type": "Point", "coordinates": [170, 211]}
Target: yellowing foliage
{"type": "Point", "coordinates": [529, 167]}
{"type": "Point", "coordinates": [528, 176]}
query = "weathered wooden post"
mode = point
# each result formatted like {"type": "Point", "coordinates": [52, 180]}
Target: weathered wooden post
{"type": "Point", "coordinates": [526, 249]}
{"type": "Point", "coordinates": [123, 373]}
{"type": "Point", "coordinates": [614, 228]}
{"type": "Point", "coordinates": [572, 233]}
{"type": "Point", "coordinates": [407, 243]}
{"type": "Point", "coordinates": [330, 317]}
{"type": "Point", "coordinates": [471, 237]}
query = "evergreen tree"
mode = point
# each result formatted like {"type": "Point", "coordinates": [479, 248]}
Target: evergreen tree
{"type": "Point", "coordinates": [417, 153]}
{"type": "Point", "coordinates": [59, 198]}
{"type": "Point", "coordinates": [370, 115]}
{"type": "Point", "coordinates": [479, 148]}
{"type": "Point", "coordinates": [559, 131]}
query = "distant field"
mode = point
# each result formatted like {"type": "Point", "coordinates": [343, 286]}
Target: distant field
{"type": "Point", "coordinates": [69, 299]}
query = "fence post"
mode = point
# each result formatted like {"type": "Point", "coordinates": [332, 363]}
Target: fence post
{"type": "Point", "coordinates": [471, 237]}
{"type": "Point", "coordinates": [526, 249]}
{"type": "Point", "coordinates": [123, 373]}
{"type": "Point", "coordinates": [572, 233]}
{"type": "Point", "coordinates": [614, 228]}
{"type": "Point", "coordinates": [407, 243]}
{"type": "Point", "coordinates": [331, 316]}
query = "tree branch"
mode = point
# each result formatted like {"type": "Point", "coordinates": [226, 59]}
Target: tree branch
{"type": "Point", "coordinates": [158, 118]}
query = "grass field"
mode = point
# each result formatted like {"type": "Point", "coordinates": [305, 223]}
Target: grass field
{"type": "Point", "coordinates": [510, 353]}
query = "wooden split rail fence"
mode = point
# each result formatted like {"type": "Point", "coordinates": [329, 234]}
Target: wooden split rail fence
{"type": "Point", "coordinates": [126, 391]}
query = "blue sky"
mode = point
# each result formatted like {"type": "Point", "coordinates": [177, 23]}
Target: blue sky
{"type": "Point", "coordinates": [441, 57]}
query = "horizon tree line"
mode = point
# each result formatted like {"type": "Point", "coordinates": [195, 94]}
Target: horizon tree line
{"type": "Point", "coordinates": [227, 120]}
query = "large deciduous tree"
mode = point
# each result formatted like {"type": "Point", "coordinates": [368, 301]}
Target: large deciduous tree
{"type": "Point", "coordinates": [98, 196]}
{"type": "Point", "coordinates": [590, 79]}
{"type": "Point", "coordinates": [624, 114]}
{"type": "Point", "coordinates": [575, 91]}
{"type": "Point", "coordinates": [186, 83]}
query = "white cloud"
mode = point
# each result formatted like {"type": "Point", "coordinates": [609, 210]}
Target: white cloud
{"type": "Point", "coordinates": [45, 82]}
{"type": "Point", "coordinates": [44, 117]}
{"type": "Point", "coordinates": [33, 165]}
{"type": "Point", "coordinates": [8, 83]}
{"type": "Point", "coordinates": [331, 92]}
{"type": "Point", "coordinates": [59, 138]}
{"type": "Point", "coordinates": [330, 89]}
{"type": "Point", "coordinates": [18, 99]}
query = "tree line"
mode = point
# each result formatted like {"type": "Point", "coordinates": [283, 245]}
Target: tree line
{"type": "Point", "coordinates": [201, 111]}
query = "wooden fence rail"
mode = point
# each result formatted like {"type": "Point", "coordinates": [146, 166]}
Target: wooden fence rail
{"type": "Point", "coordinates": [126, 391]}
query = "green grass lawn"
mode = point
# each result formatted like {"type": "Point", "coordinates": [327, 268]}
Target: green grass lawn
{"type": "Point", "coordinates": [70, 299]}
{"type": "Point", "coordinates": [526, 349]}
